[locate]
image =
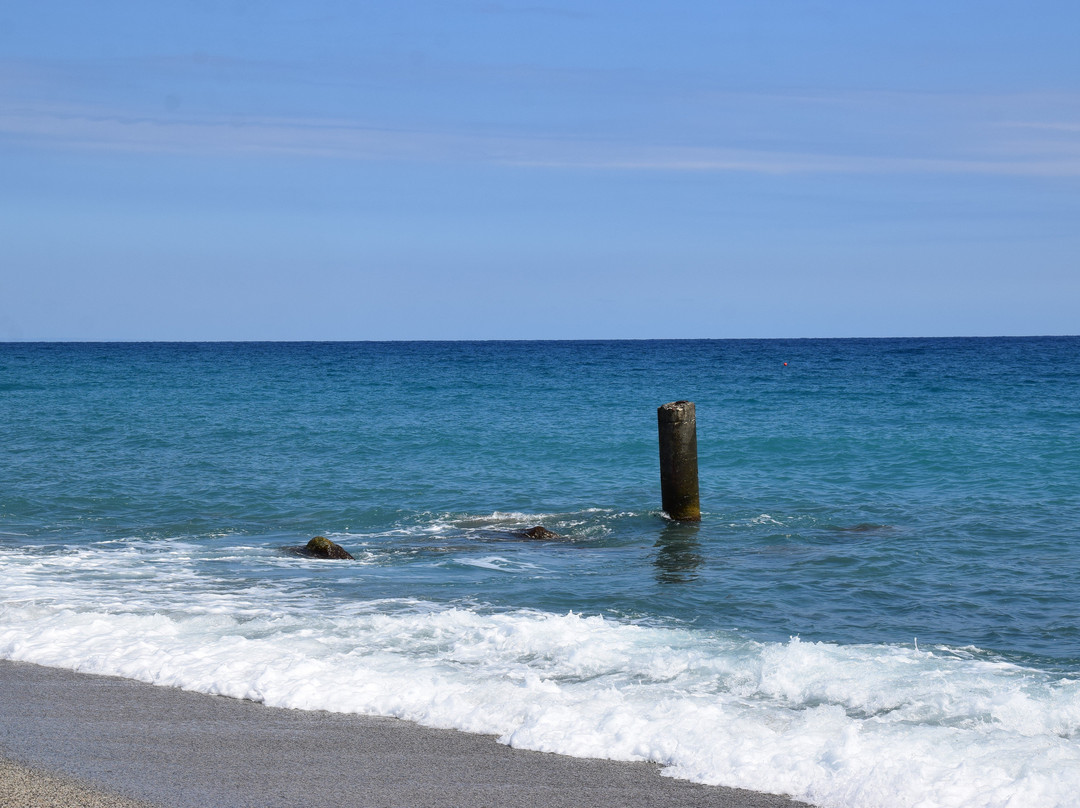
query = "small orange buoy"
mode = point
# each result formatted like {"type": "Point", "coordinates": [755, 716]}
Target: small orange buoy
{"type": "Point", "coordinates": [785, 364]}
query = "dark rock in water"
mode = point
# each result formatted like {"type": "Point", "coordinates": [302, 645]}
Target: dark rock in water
{"type": "Point", "coordinates": [322, 547]}
{"type": "Point", "coordinates": [539, 532]}
{"type": "Point", "coordinates": [864, 527]}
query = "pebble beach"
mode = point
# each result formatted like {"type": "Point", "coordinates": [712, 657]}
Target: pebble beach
{"type": "Point", "coordinates": [81, 741]}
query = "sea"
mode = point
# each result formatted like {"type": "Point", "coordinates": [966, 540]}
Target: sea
{"type": "Point", "coordinates": [879, 607]}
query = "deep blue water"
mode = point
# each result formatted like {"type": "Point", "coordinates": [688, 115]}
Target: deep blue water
{"type": "Point", "coordinates": [867, 491]}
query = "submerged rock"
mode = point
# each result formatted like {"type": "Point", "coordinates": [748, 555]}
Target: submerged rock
{"type": "Point", "coordinates": [864, 527]}
{"type": "Point", "coordinates": [322, 547]}
{"type": "Point", "coordinates": [539, 532]}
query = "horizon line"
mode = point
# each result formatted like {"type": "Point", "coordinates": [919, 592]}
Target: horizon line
{"type": "Point", "coordinates": [519, 339]}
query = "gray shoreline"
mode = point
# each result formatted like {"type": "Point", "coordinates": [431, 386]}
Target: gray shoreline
{"type": "Point", "coordinates": [23, 787]}
{"type": "Point", "coordinates": [177, 749]}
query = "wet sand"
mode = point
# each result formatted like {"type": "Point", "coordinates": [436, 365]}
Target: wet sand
{"type": "Point", "coordinates": [62, 733]}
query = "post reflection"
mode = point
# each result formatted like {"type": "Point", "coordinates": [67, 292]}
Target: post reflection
{"type": "Point", "coordinates": [678, 553]}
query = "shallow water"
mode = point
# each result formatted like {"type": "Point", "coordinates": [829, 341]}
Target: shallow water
{"type": "Point", "coordinates": [878, 607]}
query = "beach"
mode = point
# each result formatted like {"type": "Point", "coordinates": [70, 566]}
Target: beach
{"type": "Point", "coordinates": [131, 742]}
{"type": "Point", "coordinates": [862, 617]}
{"type": "Point", "coordinates": [36, 788]}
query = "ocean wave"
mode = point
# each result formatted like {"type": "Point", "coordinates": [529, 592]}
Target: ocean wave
{"type": "Point", "coordinates": [836, 725]}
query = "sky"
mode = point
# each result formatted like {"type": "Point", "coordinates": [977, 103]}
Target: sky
{"type": "Point", "coordinates": [463, 169]}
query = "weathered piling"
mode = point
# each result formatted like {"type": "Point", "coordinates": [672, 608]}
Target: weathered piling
{"type": "Point", "coordinates": [677, 424]}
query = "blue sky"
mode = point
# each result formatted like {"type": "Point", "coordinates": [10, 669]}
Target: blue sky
{"type": "Point", "coordinates": [503, 170]}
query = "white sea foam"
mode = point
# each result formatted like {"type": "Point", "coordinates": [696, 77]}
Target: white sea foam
{"type": "Point", "coordinates": [765, 519]}
{"type": "Point", "coordinates": [516, 519]}
{"type": "Point", "coordinates": [497, 563]}
{"type": "Point", "coordinates": [860, 726]}
{"type": "Point", "coordinates": [434, 524]}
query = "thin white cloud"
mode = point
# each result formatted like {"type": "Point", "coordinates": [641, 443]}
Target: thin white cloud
{"type": "Point", "coordinates": [73, 127]}
{"type": "Point", "coordinates": [782, 163]}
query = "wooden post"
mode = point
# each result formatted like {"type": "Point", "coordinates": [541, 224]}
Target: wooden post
{"type": "Point", "coordinates": [677, 424]}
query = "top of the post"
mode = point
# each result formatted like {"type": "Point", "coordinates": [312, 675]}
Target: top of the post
{"type": "Point", "coordinates": [677, 411]}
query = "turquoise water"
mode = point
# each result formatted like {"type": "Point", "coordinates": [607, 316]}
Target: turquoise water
{"type": "Point", "coordinates": [914, 499]}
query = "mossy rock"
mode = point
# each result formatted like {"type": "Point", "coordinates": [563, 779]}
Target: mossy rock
{"type": "Point", "coordinates": [539, 532]}
{"type": "Point", "coordinates": [322, 547]}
